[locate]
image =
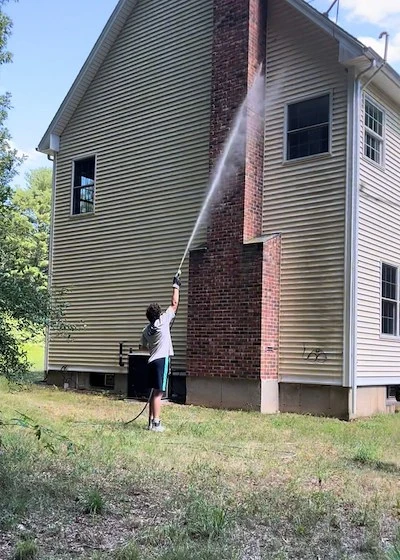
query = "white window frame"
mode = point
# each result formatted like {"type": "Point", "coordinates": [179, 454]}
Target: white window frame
{"type": "Point", "coordinates": [373, 134]}
{"type": "Point", "coordinates": [74, 160]}
{"type": "Point", "coordinates": [396, 335]}
{"type": "Point", "coordinates": [295, 100]}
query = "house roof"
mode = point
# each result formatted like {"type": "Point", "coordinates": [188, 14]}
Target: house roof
{"type": "Point", "coordinates": [351, 53]}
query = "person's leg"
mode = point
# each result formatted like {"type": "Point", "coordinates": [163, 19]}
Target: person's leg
{"type": "Point", "coordinates": [151, 409]}
{"type": "Point", "coordinates": [157, 395]}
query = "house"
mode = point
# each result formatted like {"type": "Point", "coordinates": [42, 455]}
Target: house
{"type": "Point", "coordinates": [290, 299]}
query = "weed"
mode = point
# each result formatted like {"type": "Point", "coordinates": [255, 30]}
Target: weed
{"type": "Point", "coordinates": [204, 519]}
{"type": "Point", "coordinates": [26, 550]}
{"type": "Point", "coordinates": [366, 453]}
{"type": "Point", "coordinates": [93, 502]}
{"type": "Point", "coordinates": [199, 551]}
{"type": "Point", "coordinates": [393, 553]}
{"type": "Point", "coordinates": [128, 552]}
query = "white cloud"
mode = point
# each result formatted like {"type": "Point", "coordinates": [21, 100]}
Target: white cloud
{"type": "Point", "coordinates": [379, 46]}
{"type": "Point", "coordinates": [373, 11]}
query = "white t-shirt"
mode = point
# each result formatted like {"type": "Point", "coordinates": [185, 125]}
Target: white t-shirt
{"type": "Point", "coordinates": [157, 337]}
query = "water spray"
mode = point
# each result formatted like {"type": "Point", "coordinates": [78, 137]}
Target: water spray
{"type": "Point", "coordinates": [234, 140]}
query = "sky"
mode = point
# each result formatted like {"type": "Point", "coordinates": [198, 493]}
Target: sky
{"type": "Point", "coordinates": [51, 41]}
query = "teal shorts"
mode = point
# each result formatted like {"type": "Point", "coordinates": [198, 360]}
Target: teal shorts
{"type": "Point", "coordinates": [158, 374]}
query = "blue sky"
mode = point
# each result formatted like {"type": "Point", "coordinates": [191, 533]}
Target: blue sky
{"type": "Point", "coordinates": [51, 41]}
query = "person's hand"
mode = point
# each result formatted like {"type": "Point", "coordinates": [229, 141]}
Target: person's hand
{"type": "Point", "coordinates": [176, 283]}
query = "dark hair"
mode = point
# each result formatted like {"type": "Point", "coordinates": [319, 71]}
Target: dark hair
{"type": "Point", "coordinates": [153, 312]}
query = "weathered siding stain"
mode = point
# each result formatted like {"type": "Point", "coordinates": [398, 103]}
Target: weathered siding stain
{"type": "Point", "coordinates": [305, 199]}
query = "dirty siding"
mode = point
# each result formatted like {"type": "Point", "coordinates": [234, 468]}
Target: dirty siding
{"type": "Point", "coordinates": [146, 117]}
{"type": "Point", "coordinates": [305, 199]}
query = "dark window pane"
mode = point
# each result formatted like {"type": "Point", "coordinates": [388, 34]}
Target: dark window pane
{"type": "Point", "coordinates": [389, 281]}
{"type": "Point", "coordinates": [372, 148]}
{"type": "Point", "coordinates": [373, 118]}
{"type": "Point", "coordinates": [308, 142]}
{"type": "Point", "coordinates": [308, 113]}
{"type": "Point", "coordinates": [389, 317]}
{"type": "Point", "coordinates": [84, 172]}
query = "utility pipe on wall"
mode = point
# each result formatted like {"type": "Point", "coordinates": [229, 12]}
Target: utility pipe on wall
{"type": "Point", "coordinates": [386, 35]}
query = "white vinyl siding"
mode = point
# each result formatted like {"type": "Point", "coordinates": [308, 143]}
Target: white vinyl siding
{"type": "Point", "coordinates": [379, 242]}
{"type": "Point", "coordinates": [305, 199]}
{"type": "Point", "coordinates": [146, 116]}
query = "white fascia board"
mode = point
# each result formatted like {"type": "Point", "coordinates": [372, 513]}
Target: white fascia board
{"type": "Point", "coordinates": [88, 72]}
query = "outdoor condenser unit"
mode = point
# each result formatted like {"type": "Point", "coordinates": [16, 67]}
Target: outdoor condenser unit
{"type": "Point", "coordinates": [137, 375]}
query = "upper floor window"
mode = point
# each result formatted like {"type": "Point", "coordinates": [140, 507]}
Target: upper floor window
{"type": "Point", "coordinates": [373, 132]}
{"type": "Point", "coordinates": [83, 187]}
{"type": "Point", "coordinates": [390, 300]}
{"type": "Point", "coordinates": [308, 125]}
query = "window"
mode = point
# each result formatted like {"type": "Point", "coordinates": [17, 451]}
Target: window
{"type": "Point", "coordinates": [83, 188]}
{"type": "Point", "coordinates": [390, 297]}
{"type": "Point", "coordinates": [373, 132]}
{"type": "Point", "coordinates": [102, 380]}
{"type": "Point", "coordinates": [308, 127]}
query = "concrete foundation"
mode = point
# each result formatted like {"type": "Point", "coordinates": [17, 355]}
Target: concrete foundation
{"type": "Point", "coordinates": [371, 400]}
{"type": "Point", "coordinates": [81, 380]}
{"type": "Point", "coordinates": [265, 396]}
{"type": "Point", "coordinates": [320, 400]}
{"type": "Point", "coordinates": [233, 394]}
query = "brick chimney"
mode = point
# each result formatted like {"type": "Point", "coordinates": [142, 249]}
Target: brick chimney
{"type": "Point", "coordinates": [234, 282]}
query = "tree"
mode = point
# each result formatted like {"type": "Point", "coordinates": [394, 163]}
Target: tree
{"type": "Point", "coordinates": [29, 224]}
{"type": "Point", "coordinates": [25, 303]}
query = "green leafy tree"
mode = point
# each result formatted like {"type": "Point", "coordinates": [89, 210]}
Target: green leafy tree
{"type": "Point", "coordinates": [28, 229]}
{"type": "Point", "coordinates": [25, 303]}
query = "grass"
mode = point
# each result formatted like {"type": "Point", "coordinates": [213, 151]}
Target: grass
{"type": "Point", "coordinates": [35, 355]}
{"type": "Point", "coordinates": [217, 485]}
{"type": "Point", "coordinates": [25, 550]}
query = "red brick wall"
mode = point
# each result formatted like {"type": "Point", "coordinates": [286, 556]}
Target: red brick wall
{"type": "Point", "coordinates": [270, 305]}
{"type": "Point", "coordinates": [232, 284]}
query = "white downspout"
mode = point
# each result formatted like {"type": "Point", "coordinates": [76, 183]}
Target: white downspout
{"type": "Point", "coordinates": [351, 244]}
{"type": "Point", "coordinates": [51, 246]}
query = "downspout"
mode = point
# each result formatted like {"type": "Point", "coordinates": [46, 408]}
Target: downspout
{"type": "Point", "coordinates": [352, 229]}
{"type": "Point", "coordinates": [351, 248]}
{"type": "Point", "coordinates": [51, 245]}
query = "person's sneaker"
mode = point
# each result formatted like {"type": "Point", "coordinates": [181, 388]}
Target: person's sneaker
{"type": "Point", "coordinates": [157, 427]}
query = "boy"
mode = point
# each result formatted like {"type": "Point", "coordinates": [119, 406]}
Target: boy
{"type": "Point", "coordinates": [156, 337]}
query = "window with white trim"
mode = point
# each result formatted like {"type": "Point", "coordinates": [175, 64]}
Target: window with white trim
{"type": "Point", "coordinates": [390, 300]}
{"type": "Point", "coordinates": [83, 186]}
{"type": "Point", "coordinates": [373, 132]}
{"type": "Point", "coordinates": [308, 127]}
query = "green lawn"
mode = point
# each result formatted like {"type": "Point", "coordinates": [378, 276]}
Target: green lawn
{"type": "Point", "coordinates": [35, 354]}
{"type": "Point", "coordinates": [218, 485]}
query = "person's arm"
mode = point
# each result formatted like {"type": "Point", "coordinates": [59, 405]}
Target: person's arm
{"type": "Point", "coordinates": [176, 284]}
{"type": "Point", "coordinates": [143, 342]}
